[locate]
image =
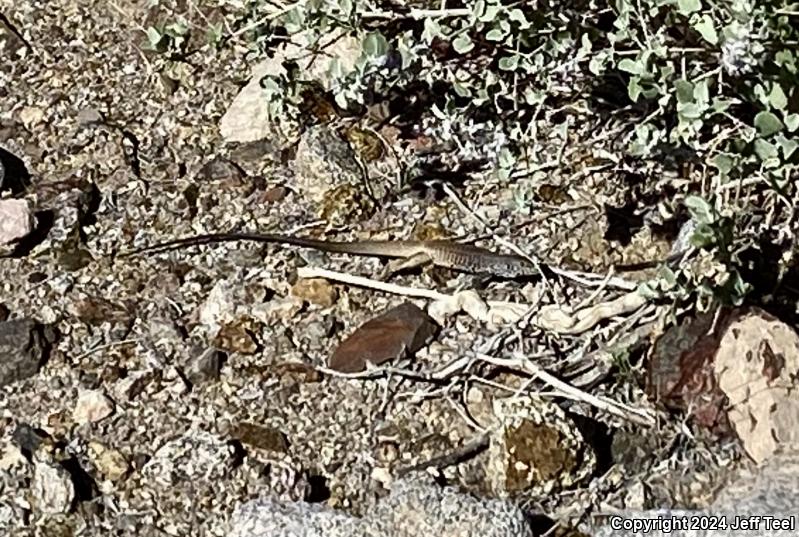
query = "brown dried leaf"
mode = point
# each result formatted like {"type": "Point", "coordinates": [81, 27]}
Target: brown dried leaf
{"type": "Point", "coordinates": [391, 336]}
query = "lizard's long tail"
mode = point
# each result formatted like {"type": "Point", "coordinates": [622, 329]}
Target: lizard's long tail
{"type": "Point", "coordinates": [356, 248]}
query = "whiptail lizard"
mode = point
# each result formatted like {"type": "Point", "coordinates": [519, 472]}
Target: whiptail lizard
{"type": "Point", "coordinates": [447, 254]}
{"type": "Point", "coordinates": [453, 255]}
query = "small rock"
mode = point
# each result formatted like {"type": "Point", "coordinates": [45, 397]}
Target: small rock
{"type": "Point", "coordinates": [536, 448]}
{"type": "Point", "coordinates": [16, 220]}
{"type": "Point", "coordinates": [92, 406]}
{"type": "Point", "coordinates": [247, 118]}
{"type": "Point", "coordinates": [323, 161]}
{"type": "Point", "coordinates": [260, 437]}
{"type": "Point", "coordinates": [221, 169]}
{"type": "Point", "coordinates": [237, 336]}
{"type": "Point", "coordinates": [30, 116]}
{"type": "Point", "coordinates": [197, 455]}
{"type": "Point", "coordinates": [88, 116]}
{"type": "Point", "coordinates": [397, 333]}
{"type": "Point", "coordinates": [281, 309]}
{"type": "Point", "coordinates": [275, 194]}
{"type": "Point", "coordinates": [296, 372]}
{"type": "Point", "coordinates": [28, 438]}
{"type": "Point", "coordinates": [317, 291]}
{"type": "Point", "coordinates": [97, 310]}
{"type": "Point", "coordinates": [680, 371]}
{"type": "Point", "coordinates": [635, 497]}
{"type": "Point", "coordinates": [205, 367]}
{"type": "Point", "coordinates": [346, 203]}
{"type": "Point", "coordinates": [52, 490]}
{"type": "Point", "coordinates": [265, 516]}
{"type": "Point", "coordinates": [127, 388]}
{"type": "Point", "coordinates": [254, 151]}
{"type": "Point", "coordinates": [23, 349]}
{"type": "Point", "coordinates": [110, 462]}
{"type": "Point", "coordinates": [12, 457]}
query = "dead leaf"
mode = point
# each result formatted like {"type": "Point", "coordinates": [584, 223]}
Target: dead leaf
{"type": "Point", "coordinates": [400, 331]}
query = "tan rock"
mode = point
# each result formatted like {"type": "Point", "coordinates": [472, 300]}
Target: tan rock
{"type": "Point", "coordinates": [316, 291]}
{"type": "Point", "coordinates": [92, 406]}
{"type": "Point", "coordinates": [757, 367]}
{"type": "Point", "coordinates": [110, 462]}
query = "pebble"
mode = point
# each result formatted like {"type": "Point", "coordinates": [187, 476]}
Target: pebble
{"type": "Point", "coordinates": [92, 406]}
{"type": "Point", "coordinates": [16, 220]}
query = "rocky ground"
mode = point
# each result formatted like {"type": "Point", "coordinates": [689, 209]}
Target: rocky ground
{"type": "Point", "coordinates": [153, 394]}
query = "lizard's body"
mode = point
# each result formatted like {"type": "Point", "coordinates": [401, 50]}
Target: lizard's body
{"type": "Point", "coordinates": [457, 256]}
{"type": "Point", "coordinates": [447, 254]}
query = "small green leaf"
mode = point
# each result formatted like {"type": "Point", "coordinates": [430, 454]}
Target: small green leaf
{"type": "Point", "coordinates": [490, 13]}
{"type": "Point", "coordinates": [374, 44]}
{"type": "Point", "coordinates": [703, 236]}
{"type": "Point", "coordinates": [723, 162]}
{"type": "Point", "coordinates": [792, 122]}
{"type": "Point", "coordinates": [462, 44]}
{"type": "Point", "coordinates": [431, 30]}
{"type": "Point", "coordinates": [505, 158]}
{"type": "Point", "coordinates": [690, 110]}
{"type": "Point", "coordinates": [478, 9]}
{"type": "Point", "coordinates": [153, 36]}
{"type": "Point", "coordinates": [786, 60]}
{"type": "Point", "coordinates": [701, 93]}
{"type": "Point", "coordinates": [704, 25]}
{"type": "Point", "coordinates": [760, 93]}
{"type": "Point", "coordinates": [685, 91]}
{"type": "Point", "coordinates": [509, 63]}
{"type": "Point", "coordinates": [461, 90]}
{"type": "Point", "coordinates": [787, 145]}
{"type": "Point", "coordinates": [765, 150]}
{"type": "Point", "coordinates": [176, 29]}
{"type": "Point", "coordinates": [700, 210]}
{"type": "Point", "coordinates": [687, 7]}
{"type": "Point", "coordinates": [720, 105]}
{"type": "Point", "coordinates": [767, 124]}
{"type": "Point", "coordinates": [777, 97]}
{"type": "Point", "coordinates": [495, 35]}
{"type": "Point", "coordinates": [634, 89]}
{"type": "Point", "coordinates": [669, 276]}
{"type": "Point", "coordinates": [516, 15]}
{"type": "Point", "coordinates": [631, 66]}
{"type": "Point", "coordinates": [597, 64]}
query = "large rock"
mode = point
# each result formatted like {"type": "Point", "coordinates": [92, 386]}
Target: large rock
{"type": "Point", "coordinates": [415, 507]}
{"type": "Point", "coordinates": [771, 492]}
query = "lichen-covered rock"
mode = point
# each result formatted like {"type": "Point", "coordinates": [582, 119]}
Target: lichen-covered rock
{"type": "Point", "coordinates": [768, 497]}
{"type": "Point", "coordinates": [535, 449]}
{"type": "Point", "coordinates": [265, 517]}
{"type": "Point", "coordinates": [416, 506]}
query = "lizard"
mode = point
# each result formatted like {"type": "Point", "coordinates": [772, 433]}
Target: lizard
{"type": "Point", "coordinates": [441, 253]}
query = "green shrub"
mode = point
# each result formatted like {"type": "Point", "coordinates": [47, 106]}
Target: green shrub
{"type": "Point", "coordinates": [710, 83]}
